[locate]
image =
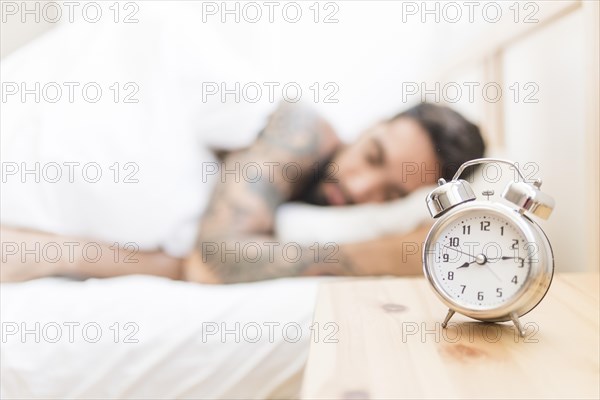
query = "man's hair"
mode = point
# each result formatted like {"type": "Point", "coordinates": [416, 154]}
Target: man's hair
{"type": "Point", "coordinates": [455, 139]}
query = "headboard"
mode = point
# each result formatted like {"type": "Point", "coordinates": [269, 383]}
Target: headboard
{"type": "Point", "coordinates": [547, 118]}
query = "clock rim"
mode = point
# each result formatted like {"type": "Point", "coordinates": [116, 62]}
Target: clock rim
{"type": "Point", "coordinates": [539, 276]}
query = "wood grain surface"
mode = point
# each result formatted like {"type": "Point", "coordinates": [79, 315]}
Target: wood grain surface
{"type": "Point", "coordinates": [390, 345]}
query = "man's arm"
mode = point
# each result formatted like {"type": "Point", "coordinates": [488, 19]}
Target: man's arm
{"type": "Point", "coordinates": [28, 254]}
{"type": "Point", "coordinates": [390, 255]}
{"type": "Point", "coordinates": [236, 241]}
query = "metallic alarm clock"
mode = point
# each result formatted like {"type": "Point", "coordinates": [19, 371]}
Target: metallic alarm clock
{"type": "Point", "coordinates": [485, 259]}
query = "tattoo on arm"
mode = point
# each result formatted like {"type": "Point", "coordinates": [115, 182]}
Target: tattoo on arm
{"type": "Point", "coordinates": [249, 259]}
{"type": "Point", "coordinates": [241, 213]}
{"type": "Point", "coordinates": [295, 129]}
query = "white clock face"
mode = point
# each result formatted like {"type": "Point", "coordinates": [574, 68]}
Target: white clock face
{"type": "Point", "coordinates": [479, 259]}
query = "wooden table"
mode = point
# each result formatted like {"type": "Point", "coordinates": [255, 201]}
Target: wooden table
{"type": "Point", "coordinates": [390, 345]}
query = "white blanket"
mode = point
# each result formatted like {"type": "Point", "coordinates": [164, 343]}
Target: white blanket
{"type": "Point", "coordinates": [168, 342]}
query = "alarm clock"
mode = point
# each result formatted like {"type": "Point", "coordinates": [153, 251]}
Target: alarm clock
{"type": "Point", "coordinates": [488, 260]}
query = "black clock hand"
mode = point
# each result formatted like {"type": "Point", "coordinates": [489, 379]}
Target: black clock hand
{"type": "Point", "coordinates": [521, 259]}
{"type": "Point", "coordinates": [465, 265]}
{"type": "Point", "coordinates": [483, 261]}
{"type": "Point", "coordinates": [512, 258]}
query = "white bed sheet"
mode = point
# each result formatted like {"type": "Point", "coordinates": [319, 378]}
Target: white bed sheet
{"type": "Point", "coordinates": [172, 358]}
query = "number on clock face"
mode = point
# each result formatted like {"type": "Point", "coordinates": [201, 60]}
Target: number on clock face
{"type": "Point", "coordinates": [480, 259]}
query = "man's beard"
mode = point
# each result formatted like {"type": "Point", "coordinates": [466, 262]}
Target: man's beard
{"type": "Point", "coordinates": [313, 192]}
{"type": "Point", "coordinates": [313, 195]}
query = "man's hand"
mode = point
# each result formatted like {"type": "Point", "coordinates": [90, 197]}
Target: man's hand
{"type": "Point", "coordinates": [389, 255]}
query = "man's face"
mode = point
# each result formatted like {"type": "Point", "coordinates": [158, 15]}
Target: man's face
{"type": "Point", "coordinates": [388, 161]}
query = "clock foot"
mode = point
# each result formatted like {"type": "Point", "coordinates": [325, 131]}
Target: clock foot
{"type": "Point", "coordinates": [515, 319]}
{"type": "Point", "coordinates": [448, 316]}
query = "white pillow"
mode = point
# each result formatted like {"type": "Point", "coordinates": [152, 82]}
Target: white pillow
{"type": "Point", "coordinates": [306, 224]}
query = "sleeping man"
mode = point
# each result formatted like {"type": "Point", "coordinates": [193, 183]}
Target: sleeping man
{"type": "Point", "coordinates": [236, 241]}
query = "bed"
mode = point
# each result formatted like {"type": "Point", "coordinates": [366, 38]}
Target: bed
{"type": "Point", "coordinates": [161, 338]}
